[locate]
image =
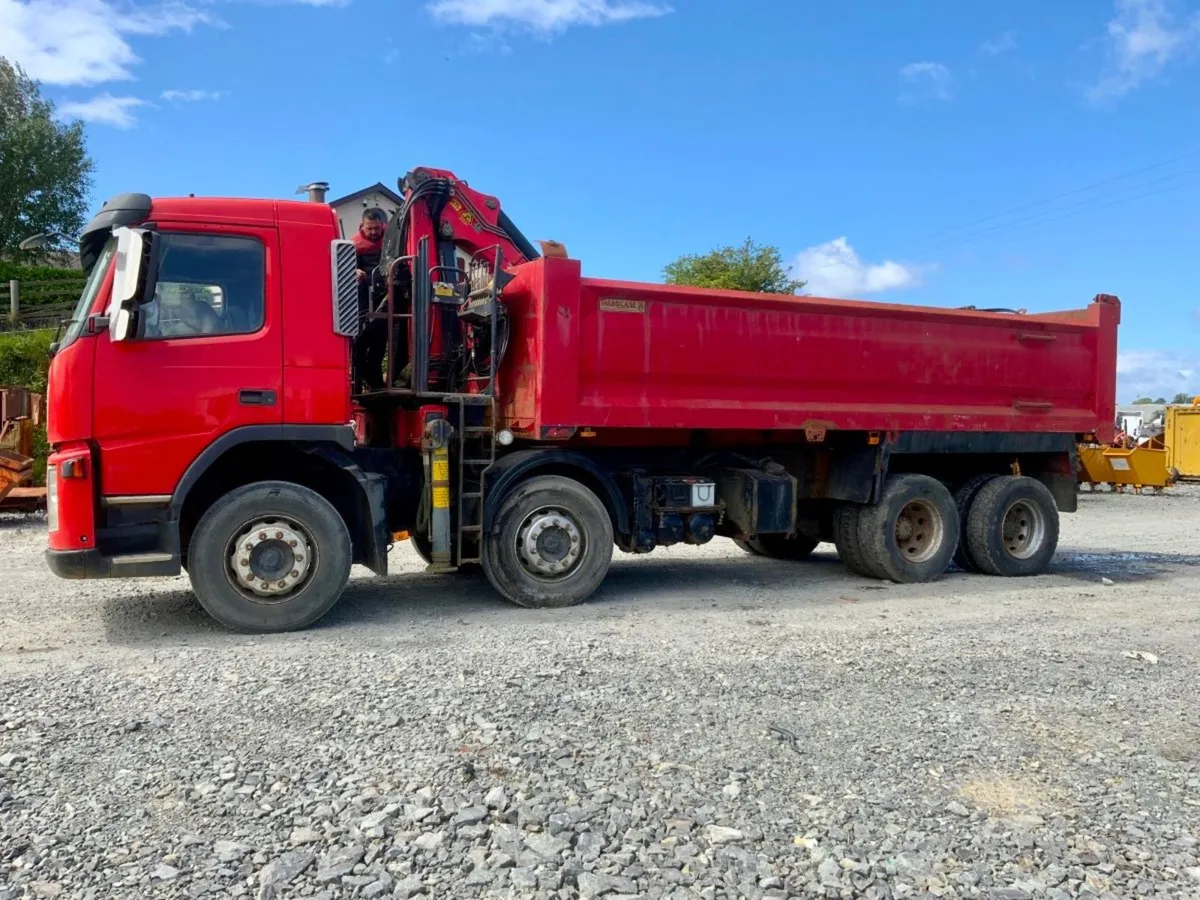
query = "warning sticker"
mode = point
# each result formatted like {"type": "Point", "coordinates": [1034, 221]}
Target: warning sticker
{"type": "Point", "coordinates": [441, 497]}
{"type": "Point", "coordinates": [1121, 465]}
{"type": "Point", "coordinates": [441, 470]}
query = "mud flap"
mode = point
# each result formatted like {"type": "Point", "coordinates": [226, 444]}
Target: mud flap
{"type": "Point", "coordinates": [374, 492]}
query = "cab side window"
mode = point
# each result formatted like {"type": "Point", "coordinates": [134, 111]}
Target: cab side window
{"type": "Point", "coordinates": [206, 285]}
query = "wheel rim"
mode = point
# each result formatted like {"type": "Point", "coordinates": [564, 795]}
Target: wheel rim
{"type": "Point", "coordinates": [919, 531]}
{"type": "Point", "coordinates": [550, 543]}
{"type": "Point", "coordinates": [1023, 529]}
{"type": "Point", "coordinates": [270, 559]}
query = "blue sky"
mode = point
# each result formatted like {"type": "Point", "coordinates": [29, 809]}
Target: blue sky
{"type": "Point", "coordinates": [910, 151]}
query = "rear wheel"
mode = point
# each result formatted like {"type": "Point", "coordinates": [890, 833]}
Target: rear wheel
{"type": "Point", "coordinates": [270, 556]}
{"type": "Point", "coordinates": [779, 546]}
{"type": "Point", "coordinates": [423, 547]}
{"type": "Point", "coordinates": [910, 536]}
{"type": "Point", "coordinates": [1012, 527]}
{"type": "Point", "coordinates": [845, 538]}
{"type": "Point", "coordinates": [963, 498]}
{"type": "Point", "coordinates": [754, 548]}
{"type": "Point", "coordinates": [551, 543]}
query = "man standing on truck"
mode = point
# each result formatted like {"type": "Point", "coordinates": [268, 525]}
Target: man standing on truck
{"type": "Point", "coordinates": [371, 345]}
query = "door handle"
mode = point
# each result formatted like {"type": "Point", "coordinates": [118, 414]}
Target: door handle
{"type": "Point", "coordinates": [256, 397]}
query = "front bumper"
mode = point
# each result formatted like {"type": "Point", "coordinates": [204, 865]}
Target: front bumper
{"type": "Point", "coordinates": [91, 563]}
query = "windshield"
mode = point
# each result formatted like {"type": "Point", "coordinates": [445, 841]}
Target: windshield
{"type": "Point", "coordinates": [90, 290]}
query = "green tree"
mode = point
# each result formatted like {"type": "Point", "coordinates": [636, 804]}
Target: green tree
{"type": "Point", "coordinates": [45, 172]}
{"type": "Point", "coordinates": [1184, 397]}
{"type": "Point", "coordinates": [1142, 400]}
{"type": "Point", "coordinates": [748, 267]}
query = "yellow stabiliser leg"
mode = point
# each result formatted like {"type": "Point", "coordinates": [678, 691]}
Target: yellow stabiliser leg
{"type": "Point", "coordinates": [437, 449]}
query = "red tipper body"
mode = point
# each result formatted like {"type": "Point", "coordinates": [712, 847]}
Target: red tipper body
{"type": "Point", "coordinates": [596, 354]}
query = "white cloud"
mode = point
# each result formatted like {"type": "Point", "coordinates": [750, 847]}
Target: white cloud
{"type": "Point", "coordinates": [544, 16]}
{"type": "Point", "coordinates": [190, 96]}
{"type": "Point", "coordinates": [1142, 39]}
{"type": "Point", "coordinates": [1156, 373]}
{"type": "Point", "coordinates": [104, 109]}
{"type": "Point", "coordinates": [926, 79]}
{"type": "Point", "coordinates": [999, 45]}
{"type": "Point", "coordinates": [834, 269]}
{"type": "Point", "coordinates": [84, 42]}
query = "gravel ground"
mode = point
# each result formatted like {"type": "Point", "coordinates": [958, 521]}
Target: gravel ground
{"type": "Point", "coordinates": [974, 737]}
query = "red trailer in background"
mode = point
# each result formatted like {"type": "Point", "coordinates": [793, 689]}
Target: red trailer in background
{"type": "Point", "coordinates": [205, 415]}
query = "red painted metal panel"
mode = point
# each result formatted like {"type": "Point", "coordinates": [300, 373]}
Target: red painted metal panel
{"type": "Point", "coordinates": [76, 499]}
{"type": "Point", "coordinates": [589, 353]}
{"type": "Point", "coordinates": [316, 360]}
{"type": "Point", "coordinates": [161, 402]}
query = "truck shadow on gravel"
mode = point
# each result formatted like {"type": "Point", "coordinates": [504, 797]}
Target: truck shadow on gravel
{"type": "Point", "coordinates": [412, 600]}
{"type": "Point", "coordinates": [669, 584]}
{"type": "Point", "coordinates": [1120, 566]}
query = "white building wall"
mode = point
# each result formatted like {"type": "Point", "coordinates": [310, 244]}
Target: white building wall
{"type": "Point", "coordinates": [350, 214]}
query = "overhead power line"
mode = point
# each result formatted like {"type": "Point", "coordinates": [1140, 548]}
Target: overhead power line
{"type": "Point", "coordinates": [1054, 214]}
{"type": "Point", "coordinates": [1045, 200]}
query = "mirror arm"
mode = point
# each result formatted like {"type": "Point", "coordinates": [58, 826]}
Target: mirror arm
{"type": "Point", "coordinates": [150, 275]}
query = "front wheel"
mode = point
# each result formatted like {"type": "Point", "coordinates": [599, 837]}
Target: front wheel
{"type": "Point", "coordinates": [270, 556]}
{"type": "Point", "coordinates": [551, 544]}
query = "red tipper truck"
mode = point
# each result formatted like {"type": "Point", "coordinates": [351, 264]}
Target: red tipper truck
{"type": "Point", "coordinates": [205, 415]}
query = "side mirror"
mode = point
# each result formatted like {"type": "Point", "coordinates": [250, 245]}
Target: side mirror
{"type": "Point", "coordinates": [129, 281]}
{"type": "Point", "coordinates": [34, 242]}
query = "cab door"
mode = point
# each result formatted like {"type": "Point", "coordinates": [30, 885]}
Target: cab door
{"type": "Point", "coordinates": [207, 357]}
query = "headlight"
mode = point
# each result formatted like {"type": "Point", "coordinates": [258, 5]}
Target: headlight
{"type": "Point", "coordinates": [52, 496]}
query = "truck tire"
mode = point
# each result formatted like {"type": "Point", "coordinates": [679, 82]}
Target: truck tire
{"type": "Point", "coordinates": [550, 545]}
{"type": "Point", "coordinates": [778, 546]}
{"type": "Point", "coordinates": [1012, 527]}
{"type": "Point", "coordinates": [845, 538]}
{"type": "Point", "coordinates": [963, 498]}
{"type": "Point", "coordinates": [247, 561]}
{"type": "Point", "coordinates": [754, 548]}
{"type": "Point", "coordinates": [424, 549]}
{"type": "Point", "coordinates": [910, 536]}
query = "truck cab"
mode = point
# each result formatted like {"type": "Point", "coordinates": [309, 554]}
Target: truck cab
{"type": "Point", "coordinates": [174, 368]}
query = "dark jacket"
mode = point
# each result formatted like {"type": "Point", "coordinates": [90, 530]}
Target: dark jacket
{"type": "Point", "coordinates": [368, 252]}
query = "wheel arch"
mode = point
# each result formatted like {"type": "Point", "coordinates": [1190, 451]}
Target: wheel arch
{"type": "Point", "coordinates": [955, 458]}
{"type": "Point", "coordinates": [514, 468]}
{"type": "Point", "coordinates": [314, 456]}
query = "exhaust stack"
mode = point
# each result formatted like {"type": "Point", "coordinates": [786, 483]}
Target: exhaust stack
{"type": "Point", "coordinates": [316, 191]}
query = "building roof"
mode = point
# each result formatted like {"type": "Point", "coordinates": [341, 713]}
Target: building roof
{"type": "Point", "coordinates": [377, 187]}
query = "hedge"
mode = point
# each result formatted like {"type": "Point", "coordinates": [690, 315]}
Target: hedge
{"type": "Point", "coordinates": [24, 362]}
{"type": "Point", "coordinates": [25, 359]}
{"type": "Point", "coordinates": [42, 284]}
{"type": "Point", "coordinates": [10, 270]}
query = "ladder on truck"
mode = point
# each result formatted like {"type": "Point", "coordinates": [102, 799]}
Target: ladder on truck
{"type": "Point", "coordinates": [476, 420]}
{"type": "Point", "coordinates": [476, 448]}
